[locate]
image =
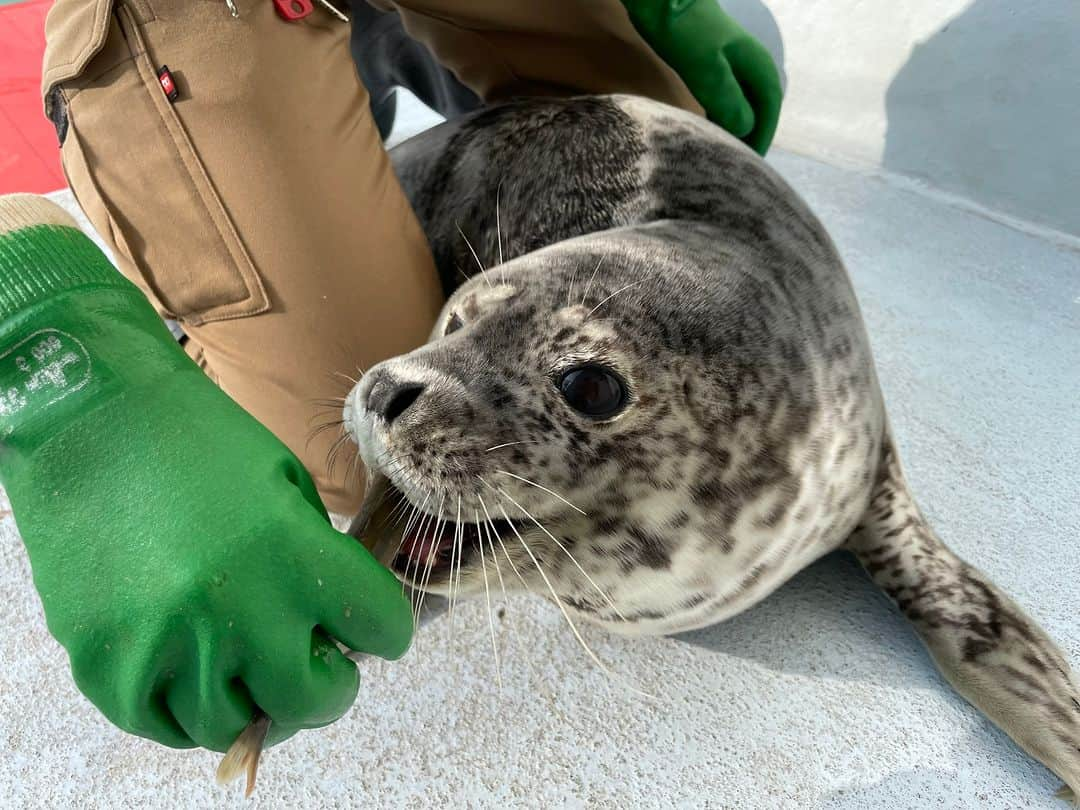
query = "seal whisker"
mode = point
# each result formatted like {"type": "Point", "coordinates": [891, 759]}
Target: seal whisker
{"type": "Point", "coordinates": [621, 289]}
{"type": "Point", "coordinates": [498, 568]}
{"type": "Point", "coordinates": [509, 559]}
{"type": "Point", "coordinates": [383, 519]}
{"type": "Point", "coordinates": [401, 542]}
{"type": "Point", "coordinates": [352, 472]}
{"type": "Point", "coordinates": [327, 413]}
{"type": "Point", "coordinates": [401, 515]}
{"type": "Point", "coordinates": [397, 513]}
{"type": "Point", "coordinates": [337, 377]}
{"type": "Point", "coordinates": [404, 532]}
{"type": "Point", "coordinates": [345, 448]}
{"type": "Point", "coordinates": [562, 608]}
{"type": "Point", "coordinates": [513, 565]}
{"type": "Point", "coordinates": [353, 380]}
{"type": "Point", "coordinates": [566, 551]}
{"type": "Point", "coordinates": [593, 276]}
{"type": "Point", "coordinates": [461, 550]}
{"type": "Point", "coordinates": [416, 578]}
{"type": "Point", "coordinates": [489, 530]}
{"type": "Point", "coordinates": [487, 600]}
{"type": "Point", "coordinates": [412, 569]}
{"type": "Point", "coordinates": [510, 444]}
{"type": "Point", "coordinates": [545, 489]}
{"type": "Point", "coordinates": [417, 512]}
{"type": "Point", "coordinates": [495, 559]}
{"type": "Point", "coordinates": [319, 429]}
{"type": "Point", "coordinates": [498, 228]}
{"type": "Point", "coordinates": [388, 463]}
{"type": "Point", "coordinates": [395, 467]}
{"type": "Point", "coordinates": [451, 597]}
{"type": "Point", "coordinates": [326, 408]}
{"type": "Point", "coordinates": [332, 453]}
{"type": "Point", "coordinates": [440, 527]}
{"type": "Point", "coordinates": [483, 270]}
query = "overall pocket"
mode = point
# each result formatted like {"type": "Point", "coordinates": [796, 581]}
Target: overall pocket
{"type": "Point", "coordinates": [136, 172]}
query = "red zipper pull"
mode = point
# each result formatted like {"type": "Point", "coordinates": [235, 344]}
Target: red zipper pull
{"type": "Point", "coordinates": [293, 10]}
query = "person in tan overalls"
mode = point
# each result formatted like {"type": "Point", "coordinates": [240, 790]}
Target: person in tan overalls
{"type": "Point", "coordinates": [228, 154]}
{"type": "Point", "coordinates": [258, 207]}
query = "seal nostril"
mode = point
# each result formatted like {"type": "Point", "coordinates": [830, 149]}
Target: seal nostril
{"type": "Point", "coordinates": [400, 402]}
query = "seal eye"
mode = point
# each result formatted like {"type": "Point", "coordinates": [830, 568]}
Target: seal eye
{"type": "Point", "coordinates": [593, 390]}
{"type": "Point", "coordinates": [453, 324]}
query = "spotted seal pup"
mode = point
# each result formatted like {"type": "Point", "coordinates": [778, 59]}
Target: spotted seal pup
{"type": "Point", "coordinates": [658, 403]}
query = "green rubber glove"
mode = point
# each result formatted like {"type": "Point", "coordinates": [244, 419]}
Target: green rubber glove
{"type": "Point", "coordinates": [728, 71]}
{"type": "Point", "coordinates": [181, 552]}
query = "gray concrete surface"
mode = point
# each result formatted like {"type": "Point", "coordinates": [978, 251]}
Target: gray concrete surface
{"type": "Point", "coordinates": [819, 697]}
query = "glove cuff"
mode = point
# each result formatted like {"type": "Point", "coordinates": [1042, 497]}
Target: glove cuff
{"type": "Point", "coordinates": [43, 253]}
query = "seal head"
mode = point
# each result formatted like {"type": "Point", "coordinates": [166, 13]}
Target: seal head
{"type": "Point", "coordinates": [595, 418]}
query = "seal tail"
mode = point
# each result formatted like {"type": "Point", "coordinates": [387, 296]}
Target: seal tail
{"type": "Point", "coordinates": [983, 643]}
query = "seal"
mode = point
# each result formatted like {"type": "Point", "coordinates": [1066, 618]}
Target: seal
{"type": "Point", "coordinates": [655, 400]}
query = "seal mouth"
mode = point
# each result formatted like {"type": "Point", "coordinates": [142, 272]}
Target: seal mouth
{"type": "Point", "coordinates": [422, 547]}
{"type": "Point", "coordinates": [432, 548]}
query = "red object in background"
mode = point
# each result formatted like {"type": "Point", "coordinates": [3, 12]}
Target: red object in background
{"type": "Point", "coordinates": [293, 10]}
{"type": "Point", "coordinates": [29, 156]}
{"type": "Point", "coordinates": [164, 77]}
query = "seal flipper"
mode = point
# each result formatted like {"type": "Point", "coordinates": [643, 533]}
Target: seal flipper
{"type": "Point", "coordinates": [983, 643]}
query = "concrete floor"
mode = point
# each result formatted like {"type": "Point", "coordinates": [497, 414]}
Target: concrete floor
{"type": "Point", "coordinates": [819, 697]}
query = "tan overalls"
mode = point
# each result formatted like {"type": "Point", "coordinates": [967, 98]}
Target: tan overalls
{"type": "Point", "coordinates": [258, 206]}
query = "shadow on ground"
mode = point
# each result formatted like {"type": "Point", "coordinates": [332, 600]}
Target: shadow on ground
{"type": "Point", "coordinates": [811, 625]}
{"type": "Point", "coordinates": [987, 108]}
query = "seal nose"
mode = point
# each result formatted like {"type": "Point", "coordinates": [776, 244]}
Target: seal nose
{"type": "Point", "coordinates": [390, 398]}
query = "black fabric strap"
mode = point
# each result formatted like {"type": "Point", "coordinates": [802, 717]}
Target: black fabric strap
{"type": "Point", "coordinates": [387, 57]}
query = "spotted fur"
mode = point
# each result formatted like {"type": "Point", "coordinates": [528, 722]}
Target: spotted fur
{"type": "Point", "coordinates": [754, 438]}
{"type": "Point", "coordinates": [983, 642]}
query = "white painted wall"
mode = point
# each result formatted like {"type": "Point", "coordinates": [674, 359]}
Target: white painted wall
{"type": "Point", "coordinates": [979, 98]}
